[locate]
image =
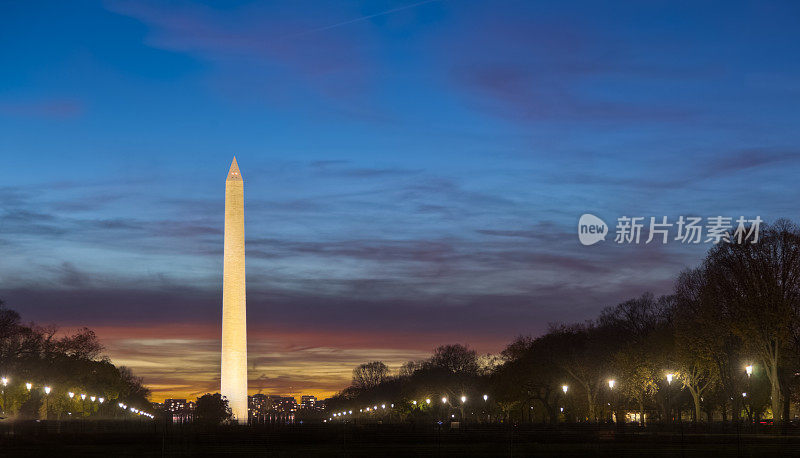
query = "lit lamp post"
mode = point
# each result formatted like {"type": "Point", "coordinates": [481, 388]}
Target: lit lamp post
{"type": "Point", "coordinates": [670, 376]}
{"type": "Point", "coordinates": [4, 380]}
{"type": "Point", "coordinates": [749, 371]}
{"type": "Point", "coordinates": [46, 406]}
{"type": "Point", "coordinates": [461, 407]}
{"type": "Point", "coordinates": [564, 388]}
{"type": "Point", "coordinates": [486, 398]}
{"type": "Point", "coordinates": [614, 416]}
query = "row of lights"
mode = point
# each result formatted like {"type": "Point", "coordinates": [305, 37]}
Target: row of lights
{"type": "Point", "coordinates": [83, 396]}
{"type": "Point", "coordinates": [135, 410]}
{"type": "Point", "coordinates": [383, 406]}
{"type": "Point", "coordinates": [611, 384]}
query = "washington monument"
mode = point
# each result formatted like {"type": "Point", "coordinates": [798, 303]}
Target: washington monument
{"type": "Point", "coordinates": [233, 373]}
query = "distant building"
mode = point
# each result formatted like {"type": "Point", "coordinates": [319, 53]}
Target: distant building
{"type": "Point", "coordinates": [264, 408]}
{"type": "Point", "coordinates": [174, 405]}
{"type": "Point", "coordinates": [258, 406]}
{"type": "Point", "coordinates": [179, 410]}
{"type": "Point", "coordinates": [308, 402]}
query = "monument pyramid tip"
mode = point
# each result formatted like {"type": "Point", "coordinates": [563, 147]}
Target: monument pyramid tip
{"type": "Point", "coordinates": [233, 173]}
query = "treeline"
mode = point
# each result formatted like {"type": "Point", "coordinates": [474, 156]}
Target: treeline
{"type": "Point", "coordinates": [40, 368]}
{"type": "Point", "coordinates": [723, 346]}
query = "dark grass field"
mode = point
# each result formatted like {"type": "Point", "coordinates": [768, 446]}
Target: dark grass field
{"type": "Point", "coordinates": [154, 440]}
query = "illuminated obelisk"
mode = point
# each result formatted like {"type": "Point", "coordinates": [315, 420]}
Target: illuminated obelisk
{"type": "Point", "coordinates": [233, 373]}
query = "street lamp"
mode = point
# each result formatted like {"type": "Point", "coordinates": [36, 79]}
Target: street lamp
{"type": "Point", "coordinates": [414, 402]}
{"type": "Point", "coordinates": [669, 404]}
{"type": "Point", "coordinates": [444, 400]}
{"type": "Point", "coordinates": [83, 396]}
{"type": "Point", "coordinates": [564, 388]}
{"type": "Point", "coordinates": [749, 370]}
{"type": "Point", "coordinates": [611, 384]}
{"type": "Point", "coordinates": [101, 400]}
{"type": "Point", "coordinates": [5, 384]}
{"type": "Point", "coordinates": [92, 398]}
{"type": "Point", "coordinates": [71, 394]}
{"type": "Point", "coordinates": [29, 385]}
{"type": "Point", "coordinates": [485, 397]}
{"type": "Point", "coordinates": [428, 401]}
{"type": "Point", "coordinates": [46, 407]}
{"type": "Point", "coordinates": [463, 399]}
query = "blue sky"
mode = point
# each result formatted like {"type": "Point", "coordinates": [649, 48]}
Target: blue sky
{"type": "Point", "coordinates": [414, 171]}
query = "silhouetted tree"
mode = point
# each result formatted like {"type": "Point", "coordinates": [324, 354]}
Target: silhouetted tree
{"type": "Point", "coordinates": [757, 285]}
{"type": "Point", "coordinates": [456, 358]}
{"type": "Point", "coordinates": [65, 363]}
{"type": "Point", "coordinates": [696, 326]}
{"type": "Point", "coordinates": [212, 410]}
{"type": "Point", "coordinates": [369, 375]}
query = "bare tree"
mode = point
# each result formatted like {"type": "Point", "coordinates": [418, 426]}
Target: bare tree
{"type": "Point", "coordinates": [369, 375]}
{"type": "Point", "coordinates": [455, 358]}
{"type": "Point", "coordinates": [698, 341]}
{"type": "Point", "coordinates": [757, 285]}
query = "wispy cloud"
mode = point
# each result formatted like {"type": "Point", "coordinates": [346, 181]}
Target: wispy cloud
{"type": "Point", "coordinates": [50, 108]}
{"type": "Point", "coordinates": [274, 40]}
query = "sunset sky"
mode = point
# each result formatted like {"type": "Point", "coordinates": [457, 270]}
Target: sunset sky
{"type": "Point", "coordinates": [414, 171]}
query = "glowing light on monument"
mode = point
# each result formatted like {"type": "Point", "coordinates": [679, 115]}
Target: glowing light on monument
{"type": "Point", "coordinates": [233, 373]}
